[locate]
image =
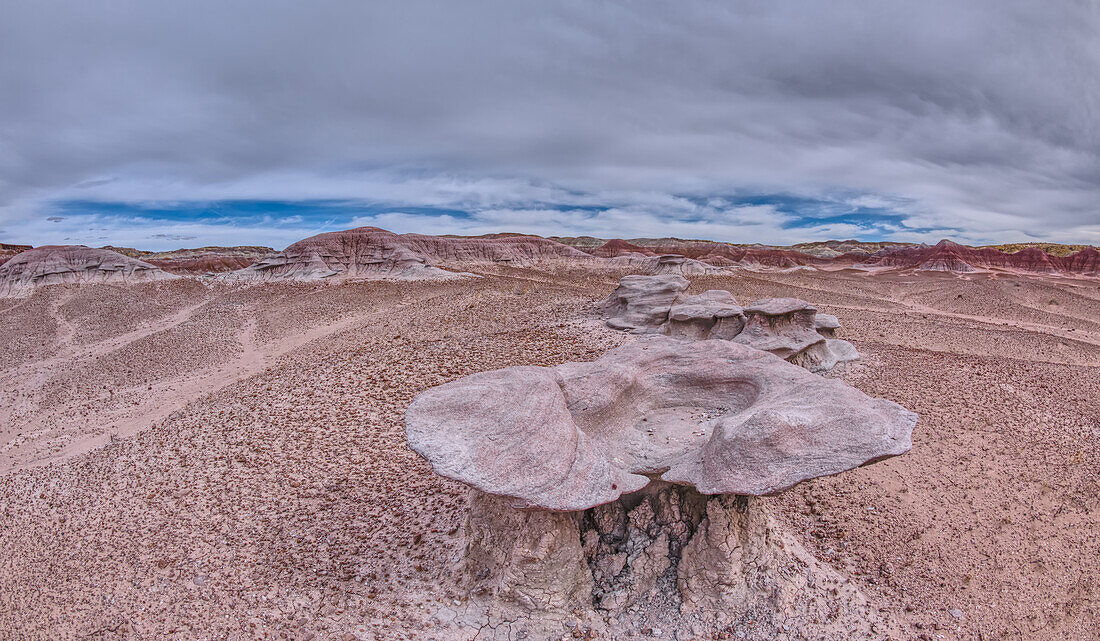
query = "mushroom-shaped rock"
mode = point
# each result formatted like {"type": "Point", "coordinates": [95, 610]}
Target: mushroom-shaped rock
{"type": "Point", "coordinates": [788, 327]}
{"type": "Point", "coordinates": [717, 415]}
{"type": "Point", "coordinates": [641, 303]}
{"type": "Point", "coordinates": [782, 326]}
{"type": "Point", "coordinates": [826, 324]}
{"type": "Point", "coordinates": [835, 350]}
{"type": "Point", "coordinates": [712, 314]}
{"type": "Point", "coordinates": [618, 485]}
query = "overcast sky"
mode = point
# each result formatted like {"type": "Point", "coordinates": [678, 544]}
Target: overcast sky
{"type": "Point", "coordinates": [163, 124]}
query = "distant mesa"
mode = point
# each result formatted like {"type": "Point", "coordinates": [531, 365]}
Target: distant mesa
{"type": "Point", "coordinates": [618, 247]}
{"type": "Point", "coordinates": [374, 253]}
{"type": "Point", "coordinates": [948, 256]}
{"type": "Point", "coordinates": [65, 264]}
{"type": "Point", "coordinates": [199, 260]}
{"type": "Point", "coordinates": [665, 264]}
{"type": "Point", "coordinates": [370, 252]}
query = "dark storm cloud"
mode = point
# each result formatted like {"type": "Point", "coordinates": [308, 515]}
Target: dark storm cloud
{"type": "Point", "coordinates": [976, 120]}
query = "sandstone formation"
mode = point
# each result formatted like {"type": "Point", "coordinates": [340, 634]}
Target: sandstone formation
{"type": "Point", "coordinates": [787, 327]}
{"type": "Point", "coordinates": [626, 482]}
{"type": "Point", "coordinates": [712, 314]}
{"type": "Point", "coordinates": [716, 415]}
{"type": "Point", "coordinates": [826, 324]}
{"type": "Point", "coordinates": [782, 326]}
{"type": "Point", "coordinates": [641, 304]}
{"type": "Point", "coordinates": [62, 264]}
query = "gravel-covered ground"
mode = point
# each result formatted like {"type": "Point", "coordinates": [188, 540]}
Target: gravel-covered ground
{"type": "Point", "coordinates": [188, 461]}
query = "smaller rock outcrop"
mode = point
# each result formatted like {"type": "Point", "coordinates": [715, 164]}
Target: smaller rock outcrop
{"type": "Point", "coordinates": [712, 314]}
{"type": "Point", "coordinates": [782, 326]}
{"type": "Point", "coordinates": [641, 304]}
{"type": "Point", "coordinates": [826, 324]}
{"type": "Point", "coordinates": [787, 327]}
{"type": "Point", "coordinates": [76, 264]}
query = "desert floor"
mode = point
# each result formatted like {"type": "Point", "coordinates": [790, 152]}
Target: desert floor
{"type": "Point", "coordinates": [182, 460]}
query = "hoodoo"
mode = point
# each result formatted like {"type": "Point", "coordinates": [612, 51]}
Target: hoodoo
{"type": "Point", "coordinates": [787, 327]}
{"type": "Point", "coordinates": [625, 485]}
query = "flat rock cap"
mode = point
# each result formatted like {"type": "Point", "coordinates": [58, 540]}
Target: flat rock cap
{"type": "Point", "coordinates": [713, 303]}
{"type": "Point", "coordinates": [723, 417]}
{"type": "Point", "coordinates": [779, 306]}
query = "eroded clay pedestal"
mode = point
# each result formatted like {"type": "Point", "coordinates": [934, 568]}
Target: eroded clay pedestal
{"type": "Point", "coordinates": [666, 557]}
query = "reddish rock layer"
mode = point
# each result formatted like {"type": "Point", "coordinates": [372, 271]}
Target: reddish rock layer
{"type": "Point", "coordinates": [949, 256]}
{"type": "Point", "coordinates": [619, 247]}
{"type": "Point", "coordinates": [7, 251]}
{"type": "Point", "coordinates": [204, 260]}
{"type": "Point", "coordinates": [209, 263]}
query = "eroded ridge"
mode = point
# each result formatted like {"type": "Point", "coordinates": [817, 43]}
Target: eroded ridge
{"type": "Point", "coordinates": [66, 264]}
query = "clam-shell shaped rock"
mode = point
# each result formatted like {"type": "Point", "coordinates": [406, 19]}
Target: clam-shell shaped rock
{"type": "Point", "coordinates": [720, 416]}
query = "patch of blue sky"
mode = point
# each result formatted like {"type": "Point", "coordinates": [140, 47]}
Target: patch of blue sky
{"type": "Point", "coordinates": [308, 213]}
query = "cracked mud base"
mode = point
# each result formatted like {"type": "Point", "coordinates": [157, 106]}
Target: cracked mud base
{"type": "Point", "coordinates": [663, 562]}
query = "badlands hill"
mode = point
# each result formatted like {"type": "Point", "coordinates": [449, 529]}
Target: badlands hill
{"type": "Point", "coordinates": [952, 257]}
{"type": "Point", "coordinates": [199, 260]}
{"type": "Point", "coordinates": [947, 256]}
{"type": "Point", "coordinates": [371, 252]}
{"type": "Point", "coordinates": [59, 264]}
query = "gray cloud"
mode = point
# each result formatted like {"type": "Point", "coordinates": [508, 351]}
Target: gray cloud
{"type": "Point", "coordinates": [974, 118]}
